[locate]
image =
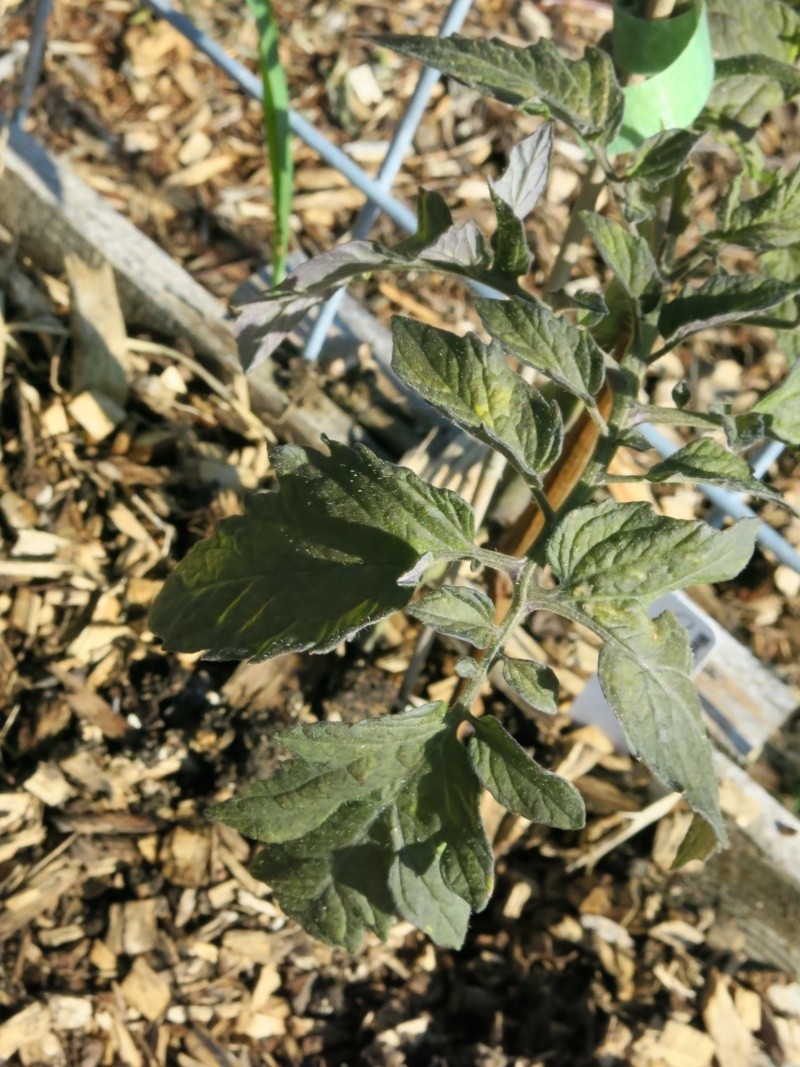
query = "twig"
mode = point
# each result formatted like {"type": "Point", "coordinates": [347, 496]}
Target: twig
{"type": "Point", "coordinates": [223, 391]}
{"type": "Point", "coordinates": [637, 822]}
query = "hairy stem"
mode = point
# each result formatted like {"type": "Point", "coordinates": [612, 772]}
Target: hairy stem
{"type": "Point", "coordinates": [674, 416]}
{"type": "Point", "coordinates": [517, 611]}
{"type": "Point", "coordinates": [590, 445]}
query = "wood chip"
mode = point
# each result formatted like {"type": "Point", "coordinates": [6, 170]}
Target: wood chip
{"type": "Point", "coordinates": [49, 785]}
{"type": "Point", "coordinates": [70, 1013]}
{"type": "Point", "coordinates": [30, 1024]}
{"type": "Point", "coordinates": [185, 856]}
{"type": "Point", "coordinates": [147, 991]}
{"type": "Point", "coordinates": [254, 945]}
{"type": "Point", "coordinates": [133, 927]}
{"type": "Point", "coordinates": [100, 362]}
{"type": "Point", "coordinates": [785, 999]}
{"type": "Point", "coordinates": [54, 420]}
{"type": "Point", "coordinates": [735, 1046]}
{"type": "Point", "coordinates": [200, 172]}
{"type": "Point", "coordinates": [97, 413]}
{"type": "Point", "coordinates": [677, 1045]}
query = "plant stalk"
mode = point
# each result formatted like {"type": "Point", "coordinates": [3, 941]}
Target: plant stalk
{"type": "Point", "coordinates": [587, 452]}
{"type": "Point", "coordinates": [518, 609]}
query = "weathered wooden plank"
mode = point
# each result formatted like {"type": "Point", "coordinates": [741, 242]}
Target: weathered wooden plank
{"type": "Point", "coordinates": [50, 212]}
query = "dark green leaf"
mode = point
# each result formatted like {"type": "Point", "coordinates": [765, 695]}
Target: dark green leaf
{"type": "Point", "coordinates": [612, 552]}
{"type": "Point", "coordinates": [590, 303]}
{"type": "Point", "coordinates": [769, 220]}
{"type": "Point", "coordinates": [402, 834]}
{"type": "Point", "coordinates": [720, 300]}
{"type": "Point", "coordinates": [519, 783]}
{"type": "Point", "coordinates": [433, 220]}
{"type": "Point", "coordinates": [313, 563]}
{"type": "Point", "coordinates": [782, 263]}
{"type": "Point", "coordinates": [335, 886]}
{"type": "Point", "coordinates": [781, 408]}
{"type": "Point", "coordinates": [708, 463]}
{"type": "Point", "coordinates": [645, 672]}
{"type": "Point", "coordinates": [638, 205]}
{"type": "Point", "coordinates": [630, 437]}
{"type": "Point", "coordinates": [614, 559]}
{"type": "Point", "coordinates": [509, 243]}
{"type": "Point", "coordinates": [628, 255]}
{"type": "Point", "coordinates": [458, 611]}
{"type": "Point", "coordinates": [583, 93]}
{"type": "Point", "coordinates": [756, 65]}
{"type": "Point", "coordinates": [681, 394]}
{"type": "Point", "coordinates": [534, 682]}
{"type": "Point", "coordinates": [741, 101]}
{"type": "Point", "coordinates": [660, 158]}
{"type": "Point", "coordinates": [475, 387]}
{"type": "Point", "coordinates": [547, 342]}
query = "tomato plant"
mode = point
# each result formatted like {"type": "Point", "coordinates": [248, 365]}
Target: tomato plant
{"type": "Point", "coordinates": [380, 819]}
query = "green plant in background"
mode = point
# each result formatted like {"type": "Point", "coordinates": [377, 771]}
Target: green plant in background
{"type": "Point", "coordinates": [380, 819]}
{"type": "Point", "coordinates": [276, 131]}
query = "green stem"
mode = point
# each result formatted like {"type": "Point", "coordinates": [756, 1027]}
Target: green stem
{"type": "Point", "coordinates": [674, 416]}
{"type": "Point", "coordinates": [519, 609]}
{"type": "Point", "coordinates": [497, 561]}
{"type": "Point", "coordinates": [545, 506]}
{"type": "Point", "coordinates": [594, 414]}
